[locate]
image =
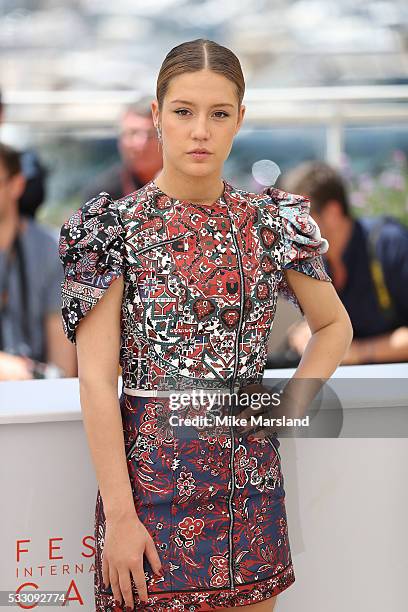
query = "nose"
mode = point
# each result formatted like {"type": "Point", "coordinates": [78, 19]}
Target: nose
{"type": "Point", "coordinates": [200, 129]}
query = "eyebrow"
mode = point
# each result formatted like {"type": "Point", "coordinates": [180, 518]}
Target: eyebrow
{"type": "Point", "coordinates": [192, 103]}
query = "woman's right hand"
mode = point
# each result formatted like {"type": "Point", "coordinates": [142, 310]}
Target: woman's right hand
{"type": "Point", "coordinates": [14, 367]}
{"type": "Point", "coordinates": [126, 541]}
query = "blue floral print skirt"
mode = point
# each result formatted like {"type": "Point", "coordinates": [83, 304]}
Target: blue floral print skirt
{"type": "Point", "coordinates": [214, 504]}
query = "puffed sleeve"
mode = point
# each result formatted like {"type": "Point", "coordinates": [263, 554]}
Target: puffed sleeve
{"type": "Point", "coordinates": [92, 252]}
{"type": "Point", "coordinates": [302, 242]}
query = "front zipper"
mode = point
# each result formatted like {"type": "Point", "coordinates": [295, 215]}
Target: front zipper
{"type": "Point", "coordinates": [242, 296]}
{"type": "Point", "coordinates": [157, 244]}
{"type": "Point", "coordinates": [237, 341]}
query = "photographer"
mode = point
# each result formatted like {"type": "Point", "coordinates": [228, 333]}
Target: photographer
{"type": "Point", "coordinates": [367, 260]}
{"type": "Point", "coordinates": [32, 344]}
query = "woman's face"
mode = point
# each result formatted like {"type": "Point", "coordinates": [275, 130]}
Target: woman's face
{"type": "Point", "coordinates": [200, 111]}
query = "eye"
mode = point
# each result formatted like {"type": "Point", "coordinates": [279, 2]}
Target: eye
{"type": "Point", "coordinates": [181, 110]}
{"type": "Point", "coordinates": [222, 113]}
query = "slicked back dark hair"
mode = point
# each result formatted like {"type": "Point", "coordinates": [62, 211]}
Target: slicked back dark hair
{"type": "Point", "coordinates": [195, 55]}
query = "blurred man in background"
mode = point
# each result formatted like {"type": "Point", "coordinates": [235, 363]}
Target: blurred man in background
{"type": "Point", "coordinates": [35, 175]}
{"type": "Point", "coordinates": [141, 158]}
{"type": "Point", "coordinates": [32, 341]}
{"type": "Point", "coordinates": [368, 263]}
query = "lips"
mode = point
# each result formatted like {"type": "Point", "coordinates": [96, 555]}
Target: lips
{"type": "Point", "coordinates": [199, 154]}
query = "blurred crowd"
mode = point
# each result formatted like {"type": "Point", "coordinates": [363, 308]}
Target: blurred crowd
{"type": "Point", "coordinates": [367, 259]}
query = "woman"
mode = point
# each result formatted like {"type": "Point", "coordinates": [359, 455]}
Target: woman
{"type": "Point", "coordinates": [189, 269]}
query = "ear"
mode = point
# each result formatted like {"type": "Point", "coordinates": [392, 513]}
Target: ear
{"type": "Point", "coordinates": [240, 118]}
{"type": "Point", "coordinates": [18, 184]}
{"type": "Point", "coordinates": [155, 112]}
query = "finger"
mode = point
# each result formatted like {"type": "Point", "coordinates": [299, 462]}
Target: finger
{"type": "Point", "coordinates": [257, 436]}
{"type": "Point", "coordinates": [248, 427]}
{"type": "Point", "coordinates": [114, 581]}
{"type": "Point", "coordinates": [140, 580]}
{"type": "Point", "coordinates": [248, 412]}
{"type": "Point", "coordinates": [153, 557]}
{"type": "Point", "coordinates": [259, 432]}
{"type": "Point", "coordinates": [250, 390]}
{"type": "Point", "coordinates": [260, 435]}
{"type": "Point", "coordinates": [260, 415]}
{"type": "Point", "coordinates": [126, 588]}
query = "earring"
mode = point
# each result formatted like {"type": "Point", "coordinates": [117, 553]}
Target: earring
{"type": "Point", "coordinates": [159, 137]}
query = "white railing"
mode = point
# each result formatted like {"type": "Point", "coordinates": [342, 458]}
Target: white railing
{"type": "Point", "coordinates": [330, 107]}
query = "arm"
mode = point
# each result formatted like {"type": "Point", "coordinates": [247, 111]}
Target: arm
{"type": "Point", "coordinates": [14, 367]}
{"type": "Point", "coordinates": [329, 323]}
{"type": "Point", "coordinates": [391, 347]}
{"type": "Point", "coordinates": [98, 346]}
{"type": "Point", "coordinates": [98, 358]}
{"type": "Point", "coordinates": [306, 284]}
{"type": "Point", "coordinates": [331, 337]}
{"type": "Point", "coordinates": [59, 350]}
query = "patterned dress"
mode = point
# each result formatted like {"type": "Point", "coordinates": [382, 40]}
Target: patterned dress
{"type": "Point", "coordinates": [200, 290]}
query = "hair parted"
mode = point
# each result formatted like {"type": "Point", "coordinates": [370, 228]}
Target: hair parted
{"type": "Point", "coordinates": [318, 181]}
{"type": "Point", "coordinates": [200, 54]}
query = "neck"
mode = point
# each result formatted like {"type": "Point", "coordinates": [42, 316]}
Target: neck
{"type": "Point", "coordinates": [143, 175]}
{"type": "Point", "coordinates": [339, 238]}
{"type": "Point", "coordinates": [9, 222]}
{"type": "Point", "coordinates": [200, 190]}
